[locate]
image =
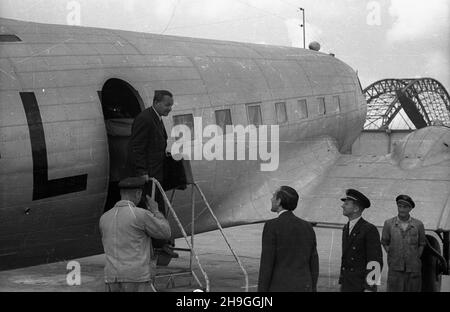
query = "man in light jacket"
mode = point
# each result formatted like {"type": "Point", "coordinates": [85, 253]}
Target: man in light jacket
{"type": "Point", "coordinates": [404, 239]}
{"type": "Point", "coordinates": [126, 235]}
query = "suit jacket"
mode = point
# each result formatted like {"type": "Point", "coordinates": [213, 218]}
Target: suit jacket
{"type": "Point", "coordinates": [147, 146]}
{"type": "Point", "coordinates": [358, 249]}
{"type": "Point", "coordinates": [289, 260]}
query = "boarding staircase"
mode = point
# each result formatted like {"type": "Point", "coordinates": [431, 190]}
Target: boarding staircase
{"type": "Point", "coordinates": [171, 275]}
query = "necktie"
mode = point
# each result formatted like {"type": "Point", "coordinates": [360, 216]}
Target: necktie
{"type": "Point", "coordinates": [161, 124]}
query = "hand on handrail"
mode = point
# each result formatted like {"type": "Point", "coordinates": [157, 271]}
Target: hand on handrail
{"type": "Point", "coordinates": [152, 205]}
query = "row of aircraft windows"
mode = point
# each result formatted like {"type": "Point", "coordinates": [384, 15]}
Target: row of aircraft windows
{"type": "Point", "coordinates": [254, 115]}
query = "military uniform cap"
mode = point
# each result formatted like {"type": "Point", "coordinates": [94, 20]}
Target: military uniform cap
{"type": "Point", "coordinates": [405, 199]}
{"type": "Point", "coordinates": [132, 183]}
{"type": "Point", "coordinates": [358, 197]}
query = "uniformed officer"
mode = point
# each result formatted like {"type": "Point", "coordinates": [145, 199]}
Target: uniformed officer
{"type": "Point", "coordinates": [404, 239]}
{"type": "Point", "coordinates": [126, 235]}
{"type": "Point", "coordinates": [362, 257]}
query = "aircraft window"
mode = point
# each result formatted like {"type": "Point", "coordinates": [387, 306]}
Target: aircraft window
{"type": "Point", "coordinates": [9, 38]}
{"type": "Point", "coordinates": [254, 115]}
{"type": "Point", "coordinates": [186, 119]}
{"type": "Point", "coordinates": [302, 109]}
{"type": "Point", "coordinates": [337, 103]}
{"type": "Point", "coordinates": [223, 118]}
{"type": "Point", "coordinates": [281, 112]}
{"type": "Point", "coordinates": [322, 109]}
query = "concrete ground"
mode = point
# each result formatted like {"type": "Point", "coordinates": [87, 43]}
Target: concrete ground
{"type": "Point", "coordinates": [223, 272]}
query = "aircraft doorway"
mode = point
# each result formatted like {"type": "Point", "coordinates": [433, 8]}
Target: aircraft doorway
{"type": "Point", "coordinates": [121, 103]}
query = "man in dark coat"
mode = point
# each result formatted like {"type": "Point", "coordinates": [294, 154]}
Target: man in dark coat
{"type": "Point", "coordinates": [289, 259]}
{"type": "Point", "coordinates": [147, 149]}
{"type": "Point", "coordinates": [148, 141]}
{"type": "Point", "coordinates": [362, 257]}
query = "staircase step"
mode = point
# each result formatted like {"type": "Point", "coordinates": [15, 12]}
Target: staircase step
{"type": "Point", "coordinates": [180, 289]}
{"type": "Point", "coordinates": [175, 280]}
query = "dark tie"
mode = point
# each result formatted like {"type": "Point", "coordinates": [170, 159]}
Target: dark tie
{"type": "Point", "coordinates": [163, 129]}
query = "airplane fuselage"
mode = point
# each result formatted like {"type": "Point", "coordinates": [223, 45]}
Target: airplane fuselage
{"type": "Point", "coordinates": [57, 157]}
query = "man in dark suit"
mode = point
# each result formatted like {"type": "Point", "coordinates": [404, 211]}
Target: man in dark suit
{"type": "Point", "coordinates": [147, 149]}
{"type": "Point", "coordinates": [362, 258]}
{"type": "Point", "coordinates": [148, 141]}
{"type": "Point", "coordinates": [289, 259]}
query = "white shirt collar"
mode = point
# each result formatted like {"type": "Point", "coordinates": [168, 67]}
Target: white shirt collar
{"type": "Point", "coordinates": [281, 211]}
{"type": "Point", "coordinates": [160, 118]}
{"type": "Point", "coordinates": [352, 224]}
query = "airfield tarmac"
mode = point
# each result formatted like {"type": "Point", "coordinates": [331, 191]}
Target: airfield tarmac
{"type": "Point", "coordinates": [223, 272]}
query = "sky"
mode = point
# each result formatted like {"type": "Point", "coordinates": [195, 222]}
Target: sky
{"type": "Point", "coordinates": [380, 39]}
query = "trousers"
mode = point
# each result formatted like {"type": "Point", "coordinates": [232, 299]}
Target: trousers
{"type": "Point", "coordinates": [130, 287]}
{"type": "Point", "coordinates": [400, 281]}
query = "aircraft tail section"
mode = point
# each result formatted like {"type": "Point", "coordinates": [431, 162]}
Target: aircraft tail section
{"type": "Point", "coordinates": [418, 166]}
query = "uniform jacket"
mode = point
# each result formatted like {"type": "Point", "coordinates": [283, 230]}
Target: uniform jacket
{"type": "Point", "coordinates": [358, 249]}
{"type": "Point", "coordinates": [147, 146]}
{"type": "Point", "coordinates": [404, 246]}
{"type": "Point", "coordinates": [289, 260]}
{"type": "Point", "coordinates": [126, 231]}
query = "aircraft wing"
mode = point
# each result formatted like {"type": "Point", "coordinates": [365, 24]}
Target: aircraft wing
{"type": "Point", "coordinates": [419, 166]}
